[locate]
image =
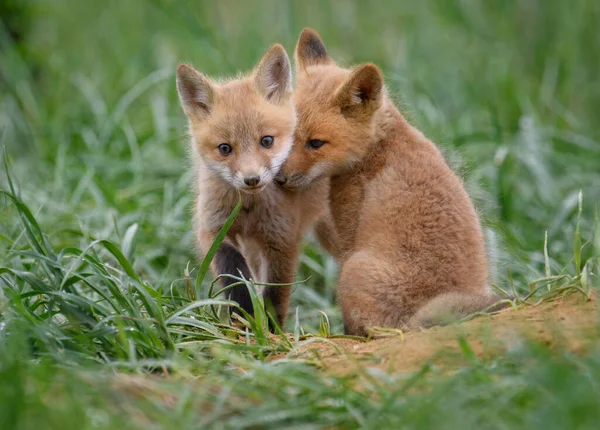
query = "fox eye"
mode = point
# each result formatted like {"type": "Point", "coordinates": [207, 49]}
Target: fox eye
{"type": "Point", "coordinates": [315, 143]}
{"type": "Point", "coordinates": [267, 141]}
{"type": "Point", "coordinates": [225, 149]}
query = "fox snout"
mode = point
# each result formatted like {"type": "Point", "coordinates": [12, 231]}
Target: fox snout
{"type": "Point", "coordinates": [252, 181]}
{"type": "Point", "coordinates": [294, 180]}
{"type": "Point", "coordinates": [280, 179]}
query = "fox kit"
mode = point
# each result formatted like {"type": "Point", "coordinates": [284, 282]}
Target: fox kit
{"type": "Point", "coordinates": [241, 132]}
{"type": "Point", "coordinates": [410, 243]}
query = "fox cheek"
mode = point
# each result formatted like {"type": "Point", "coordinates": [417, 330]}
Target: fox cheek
{"type": "Point", "coordinates": [223, 171]}
{"type": "Point", "coordinates": [280, 159]}
{"type": "Point", "coordinates": [318, 170]}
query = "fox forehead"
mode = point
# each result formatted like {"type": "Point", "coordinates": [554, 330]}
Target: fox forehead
{"type": "Point", "coordinates": [241, 116]}
{"type": "Point", "coordinates": [319, 83]}
{"type": "Point", "coordinates": [315, 100]}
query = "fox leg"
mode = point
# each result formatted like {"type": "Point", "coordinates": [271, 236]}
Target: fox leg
{"type": "Point", "coordinates": [229, 261]}
{"type": "Point", "coordinates": [281, 269]}
{"type": "Point", "coordinates": [327, 237]}
{"type": "Point", "coordinates": [370, 295]}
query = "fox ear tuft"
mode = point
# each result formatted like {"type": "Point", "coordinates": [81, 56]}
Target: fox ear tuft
{"type": "Point", "coordinates": [196, 93]}
{"type": "Point", "coordinates": [273, 75]}
{"type": "Point", "coordinates": [310, 50]}
{"type": "Point", "coordinates": [362, 92]}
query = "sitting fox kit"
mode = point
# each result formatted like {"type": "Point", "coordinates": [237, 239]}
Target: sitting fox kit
{"type": "Point", "coordinates": [241, 132]}
{"type": "Point", "coordinates": [409, 239]}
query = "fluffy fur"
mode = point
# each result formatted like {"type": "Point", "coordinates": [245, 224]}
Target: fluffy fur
{"type": "Point", "coordinates": [408, 237]}
{"type": "Point", "coordinates": [263, 243]}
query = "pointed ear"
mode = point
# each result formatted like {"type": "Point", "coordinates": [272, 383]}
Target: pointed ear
{"type": "Point", "coordinates": [362, 92]}
{"type": "Point", "coordinates": [310, 50]}
{"type": "Point", "coordinates": [273, 75]}
{"type": "Point", "coordinates": [196, 93]}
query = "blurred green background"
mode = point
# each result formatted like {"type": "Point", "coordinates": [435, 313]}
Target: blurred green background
{"type": "Point", "coordinates": [91, 123]}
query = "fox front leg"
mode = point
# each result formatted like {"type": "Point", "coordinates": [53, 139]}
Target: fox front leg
{"type": "Point", "coordinates": [229, 261]}
{"type": "Point", "coordinates": [281, 270]}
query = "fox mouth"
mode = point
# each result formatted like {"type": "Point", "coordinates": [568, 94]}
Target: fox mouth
{"type": "Point", "coordinates": [253, 190]}
{"type": "Point", "coordinates": [293, 181]}
{"type": "Point", "coordinates": [287, 185]}
{"type": "Point", "coordinates": [280, 179]}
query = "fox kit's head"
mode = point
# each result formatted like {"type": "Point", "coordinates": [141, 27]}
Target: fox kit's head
{"type": "Point", "coordinates": [336, 109]}
{"type": "Point", "coordinates": [242, 129]}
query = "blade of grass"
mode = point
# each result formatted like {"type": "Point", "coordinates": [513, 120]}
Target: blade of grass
{"type": "Point", "coordinates": [204, 266]}
{"type": "Point", "coordinates": [577, 236]}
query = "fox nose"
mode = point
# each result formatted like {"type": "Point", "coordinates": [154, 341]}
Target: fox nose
{"type": "Point", "coordinates": [280, 179]}
{"type": "Point", "coordinates": [252, 181]}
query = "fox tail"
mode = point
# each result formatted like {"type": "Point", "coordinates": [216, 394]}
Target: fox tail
{"type": "Point", "coordinates": [450, 307]}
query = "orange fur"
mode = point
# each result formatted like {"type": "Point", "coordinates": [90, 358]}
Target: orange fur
{"type": "Point", "coordinates": [409, 239]}
{"type": "Point", "coordinates": [263, 243]}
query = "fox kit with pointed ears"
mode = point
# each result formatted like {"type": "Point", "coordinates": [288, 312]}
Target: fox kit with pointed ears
{"type": "Point", "coordinates": [241, 133]}
{"type": "Point", "coordinates": [410, 243]}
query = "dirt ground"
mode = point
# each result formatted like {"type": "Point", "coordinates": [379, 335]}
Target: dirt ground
{"type": "Point", "coordinates": [570, 323]}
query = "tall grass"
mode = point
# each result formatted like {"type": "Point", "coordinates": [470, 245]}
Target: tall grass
{"type": "Point", "coordinates": [90, 304]}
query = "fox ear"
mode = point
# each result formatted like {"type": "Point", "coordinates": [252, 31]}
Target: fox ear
{"type": "Point", "coordinates": [273, 75]}
{"type": "Point", "coordinates": [362, 92]}
{"type": "Point", "coordinates": [311, 50]}
{"type": "Point", "coordinates": [196, 93]}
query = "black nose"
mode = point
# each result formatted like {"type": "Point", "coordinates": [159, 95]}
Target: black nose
{"type": "Point", "coordinates": [280, 179]}
{"type": "Point", "coordinates": [252, 181]}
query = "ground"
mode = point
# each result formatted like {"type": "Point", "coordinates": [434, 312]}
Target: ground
{"type": "Point", "coordinates": [566, 325]}
{"type": "Point", "coordinates": [570, 322]}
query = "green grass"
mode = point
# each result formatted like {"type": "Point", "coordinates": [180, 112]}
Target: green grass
{"type": "Point", "coordinates": [100, 286]}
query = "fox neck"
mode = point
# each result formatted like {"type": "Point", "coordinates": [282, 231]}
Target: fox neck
{"type": "Point", "coordinates": [390, 132]}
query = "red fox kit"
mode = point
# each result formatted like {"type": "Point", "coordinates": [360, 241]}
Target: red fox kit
{"type": "Point", "coordinates": [410, 243]}
{"type": "Point", "coordinates": [241, 132]}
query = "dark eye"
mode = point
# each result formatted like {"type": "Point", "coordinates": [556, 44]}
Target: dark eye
{"type": "Point", "coordinates": [267, 141]}
{"type": "Point", "coordinates": [225, 149]}
{"type": "Point", "coordinates": [315, 143]}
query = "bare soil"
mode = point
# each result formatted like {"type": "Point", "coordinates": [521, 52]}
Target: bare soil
{"type": "Point", "coordinates": [570, 323]}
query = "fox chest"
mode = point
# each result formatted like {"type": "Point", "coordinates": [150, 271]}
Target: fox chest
{"type": "Point", "coordinates": [264, 222]}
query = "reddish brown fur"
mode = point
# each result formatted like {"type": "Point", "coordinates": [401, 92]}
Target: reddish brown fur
{"type": "Point", "coordinates": [409, 239]}
{"type": "Point", "coordinates": [241, 117]}
{"type": "Point", "coordinates": [263, 242]}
